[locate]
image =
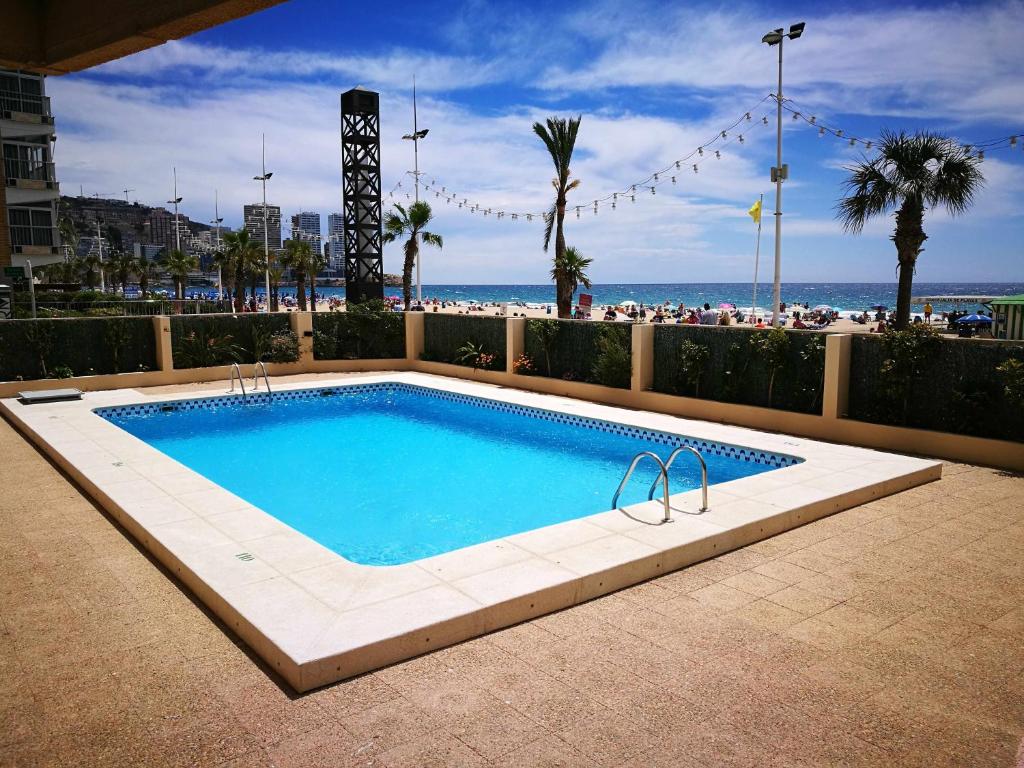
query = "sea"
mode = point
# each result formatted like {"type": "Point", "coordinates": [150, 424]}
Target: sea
{"type": "Point", "coordinates": [839, 296]}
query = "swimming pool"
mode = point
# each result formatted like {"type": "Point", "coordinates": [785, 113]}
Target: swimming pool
{"type": "Point", "coordinates": [390, 473]}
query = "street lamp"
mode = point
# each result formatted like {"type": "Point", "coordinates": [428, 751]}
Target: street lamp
{"type": "Point", "coordinates": [780, 172]}
{"type": "Point", "coordinates": [415, 137]}
{"type": "Point", "coordinates": [217, 219]}
{"type": "Point", "coordinates": [174, 202]}
{"type": "Point", "coordinates": [266, 233]}
{"type": "Point", "coordinates": [99, 245]}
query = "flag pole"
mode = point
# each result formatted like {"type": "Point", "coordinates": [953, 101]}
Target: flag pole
{"type": "Point", "coordinates": [757, 255]}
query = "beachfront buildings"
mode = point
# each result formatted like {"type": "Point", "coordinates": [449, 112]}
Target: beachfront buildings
{"type": "Point", "coordinates": [253, 215]}
{"type": "Point", "coordinates": [336, 242]}
{"type": "Point", "coordinates": [306, 226]}
{"type": "Point", "coordinates": [28, 183]}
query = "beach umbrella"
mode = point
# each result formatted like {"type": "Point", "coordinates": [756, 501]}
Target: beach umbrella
{"type": "Point", "coordinates": [822, 308]}
{"type": "Point", "coordinates": [880, 307]}
{"type": "Point", "coordinates": [726, 305]}
{"type": "Point", "coordinates": [627, 303]}
{"type": "Point", "coordinates": [975, 319]}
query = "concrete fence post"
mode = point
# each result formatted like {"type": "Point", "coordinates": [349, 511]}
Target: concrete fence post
{"type": "Point", "coordinates": [414, 336]}
{"type": "Point", "coordinates": [164, 350]}
{"type": "Point", "coordinates": [515, 340]}
{"type": "Point", "coordinates": [643, 357]}
{"type": "Point", "coordinates": [302, 326]}
{"type": "Point", "coordinates": [836, 395]}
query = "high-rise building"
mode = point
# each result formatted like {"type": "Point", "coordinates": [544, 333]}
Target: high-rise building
{"type": "Point", "coordinates": [254, 224]}
{"type": "Point", "coordinates": [28, 183]}
{"type": "Point", "coordinates": [306, 226]}
{"type": "Point", "coordinates": [336, 242]}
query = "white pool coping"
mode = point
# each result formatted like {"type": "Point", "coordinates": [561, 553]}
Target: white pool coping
{"type": "Point", "coordinates": [317, 618]}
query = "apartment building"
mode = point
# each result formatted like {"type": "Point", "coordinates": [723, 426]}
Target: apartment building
{"type": "Point", "coordinates": [336, 243]}
{"type": "Point", "coordinates": [253, 216]}
{"type": "Point", "coordinates": [29, 190]}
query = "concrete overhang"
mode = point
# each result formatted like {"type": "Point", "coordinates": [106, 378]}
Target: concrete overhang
{"type": "Point", "coordinates": [55, 37]}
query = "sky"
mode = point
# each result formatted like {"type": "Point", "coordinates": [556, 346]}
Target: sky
{"type": "Point", "coordinates": [653, 81]}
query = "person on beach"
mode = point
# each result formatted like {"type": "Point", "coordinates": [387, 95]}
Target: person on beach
{"type": "Point", "coordinates": [928, 313]}
{"type": "Point", "coordinates": [708, 316]}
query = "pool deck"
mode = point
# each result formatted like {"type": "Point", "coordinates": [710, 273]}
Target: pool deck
{"type": "Point", "coordinates": [317, 618]}
{"type": "Point", "coordinates": [888, 634]}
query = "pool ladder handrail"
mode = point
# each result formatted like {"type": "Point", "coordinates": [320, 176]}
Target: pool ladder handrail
{"type": "Point", "coordinates": [703, 475]}
{"type": "Point", "coordinates": [259, 366]}
{"type": "Point", "coordinates": [237, 371]}
{"type": "Point", "coordinates": [662, 473]}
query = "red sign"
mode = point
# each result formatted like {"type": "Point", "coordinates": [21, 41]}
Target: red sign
{"type": "Point", "coordinates": [586, 300]}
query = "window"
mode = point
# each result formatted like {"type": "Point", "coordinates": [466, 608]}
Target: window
{"type": "Point", "coordinates": [31, 226]}
{"type": "Point", "coordinates": [26, 161]}
{"type": "Point", "coordinates": [21, 93]}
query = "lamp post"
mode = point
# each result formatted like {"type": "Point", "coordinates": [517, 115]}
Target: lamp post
{"type": "Point", "coordinates": [99, 245]}
{"type": "Point", "coordinates": [266, 233]}
{"type": "Point", "coordinates": [217, 219]}
{"type": "Point", "coordinates": [780, 172]}
{"type": "Point", "coordinates": [174, 201]}
{"type": "Point", "coordinates": [415, 137]}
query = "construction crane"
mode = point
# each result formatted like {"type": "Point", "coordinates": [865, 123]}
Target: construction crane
{"type": "Point", "coordinates": [103, 195]}
{"type": "Point", "coordinates": [126, 191]}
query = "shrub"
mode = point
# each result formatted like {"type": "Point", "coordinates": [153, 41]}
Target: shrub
{"type": "Point", "coordinates": [369, 330]}
{"type": "Point", "coordinates": [772, 347]}
{"type": "Point", "coordinates": [284, 347]}
{"type": "Point", "coordinates": [614, 364]}
{"type": "Point", "coordinates": [242, 338]}
{"type": "Point", "coordinates": [445, 335]}
{"type": "Point", "coordinates": [693, 358]}
{"type": "Point", "coordinates": [201, 349]}
{"type": "Point", "coordinates": [476, 356]}
{"type": "Point", "coordinates": [571, 349]}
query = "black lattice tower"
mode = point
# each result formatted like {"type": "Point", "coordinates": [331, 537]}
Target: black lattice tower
{"type": "Point", "coordinates": [360, 169]}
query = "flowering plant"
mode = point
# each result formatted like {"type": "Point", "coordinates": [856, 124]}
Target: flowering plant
{"type": "Point", "coordinates": [523, 364]}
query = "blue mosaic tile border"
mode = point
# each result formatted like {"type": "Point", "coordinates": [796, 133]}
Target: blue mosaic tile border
{"type": "Point", "coordinates": [735, 452]}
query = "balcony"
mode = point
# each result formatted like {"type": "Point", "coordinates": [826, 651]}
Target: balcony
{"type": "Point", "coordinates": [25, 107]}
{"type": "Point", "coordinates": [29, 174]}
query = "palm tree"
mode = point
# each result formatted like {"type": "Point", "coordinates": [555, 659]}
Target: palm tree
{"type": "Point", "coordinates": [276, 275]}
{"type": "Point", "coordinates": [909, 174]}
{"type": "Point", "coordinates": [179, 264]}
{"type": "Point", "coordinates": [560, 138]}
{"type": "Point", "coordinates": [145, 268]}
{"type": "Point", "coordinates": [122, 267]}
{"type": "Point", "coordinates": [297, 255]}
{"type": "Point", "coordinates": [89, 267]}
{"type": "Point", "coordinates": [239, 254]}
{"type": "Point", "coordinates": [317, 264]}
{"type": "Point", "coordinates": [410, 223]}
{"type": "Point", "coordinates": [569, 273]}
{"type": "Point", "coordinates": [221, 260]}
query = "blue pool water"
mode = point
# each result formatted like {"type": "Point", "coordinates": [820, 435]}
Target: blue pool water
{"type": "Point", "coordinates": [389, 473]}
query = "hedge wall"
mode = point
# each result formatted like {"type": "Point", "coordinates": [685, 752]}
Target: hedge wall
{"type": "Point", "coordinates": [36, 349]}
{"type": "Point", "coordinates": [444, 334]}
{"type": "Point", "coordinates": [201, 341]}
{"type": "Point", "coordinates": [576, 351]}
{"type": "Point", "coordinates": [956, 390]}
{"type": "Point", "coordinates": [734, 371]}
{"type": "Point", "coordinates": [353, 335]}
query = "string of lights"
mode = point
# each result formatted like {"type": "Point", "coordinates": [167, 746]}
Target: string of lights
{"type": "Point", "coordinates": [670, 174]}
{"type": "Point", "coordinates": [976, 148]}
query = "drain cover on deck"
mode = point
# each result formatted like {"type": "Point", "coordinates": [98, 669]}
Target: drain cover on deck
{"type": "Point", "coordinates": [49, 396]}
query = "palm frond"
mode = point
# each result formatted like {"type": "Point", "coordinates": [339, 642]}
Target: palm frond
{"type": "Point", "coordinates": [431, 239]}
{"type": "Point", "coordinates": [548, 226]}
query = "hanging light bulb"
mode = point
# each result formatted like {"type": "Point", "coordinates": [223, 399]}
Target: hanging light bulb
{"type": "Point", "coordinates": [673, 179]}
{"type": "Point", "coordinates": [718, 155]}
{"type": "Point", "coordinates": [812, 119]}
{"type": "Point", "coordinates": [694, 167]}
{"type": "Point", "coordinates": [613, 205]}
{"type": "Point", "coordinates": [839, 134]}
{"type": "Point", "coordinates": [577, 211]}
{"type": "Point", "coordinates": [529, 217]}
{"type": "Point", "coordinates": [615, 196]}
{"type": "Point", "coordinates": [723, 134]}
{"type": "Point", "coordinates": [652, 190]}
{"type": "Point", "coordinates": [741, 138]}
{"type": "Point", "coordinates": [677, 162]}
{"type": "Point", "coordinates": [796, 115]}
{"type": "Point", "coordinates": [747, 116]}
{"type": "Point", "coordinates": [981, 154]}
{"type": "Point", "coordinates": [443, 189]}
{"type": "Point", "coordinates": [764, 119]}
{"type": "Point", "coordinates": [595, 207]}
{"type": "Point", "coordinates": [700, 151]}
{"type": "Point", "coordinates": [1013, 142]}
{"type": "Point", "coordinates": [632, 198]}
{"type": "Point", "coordinates": [853, 142]}
{"type": "Point", "coordinates": [633, 188]}
{"type": "Point", "coordinates": [868, 145]}
{"type": "Point", "coordinates": [821, 132]}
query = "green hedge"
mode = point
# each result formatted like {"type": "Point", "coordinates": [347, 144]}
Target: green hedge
{"type": "Point", "coordinates": [956, 388]}
{"type": "Point", "coordinates": [35, 349]}
{"type": "Point", "coordinates": [445, 335]}
{"type": "Point", "coordinates": [575, 352]}
{"type": "Point", "coordinates": [358, 335]}
{"type": "Point", "coordinates": [201, 341]}
{"type": "Point", "coordinates": [735, 371]}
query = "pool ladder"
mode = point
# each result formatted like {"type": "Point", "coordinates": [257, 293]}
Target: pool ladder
{"type": "Point", "coordinates": [236, 372]}
{"type": "Point", "coordinates": [663, 468]}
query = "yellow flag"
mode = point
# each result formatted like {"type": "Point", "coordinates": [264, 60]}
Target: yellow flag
{"type": "Point", "coordinates": [755, 212]}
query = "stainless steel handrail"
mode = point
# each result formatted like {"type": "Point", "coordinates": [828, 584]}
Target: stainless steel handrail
{"type": "Point", "coordinates": [237, 371]}
{"type": "Point", "coordinates": [259, 366]}
{"type": "Point", "coordinates": [662, 472]}
{"type": "Point", "coordinates": [703, 475]}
